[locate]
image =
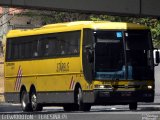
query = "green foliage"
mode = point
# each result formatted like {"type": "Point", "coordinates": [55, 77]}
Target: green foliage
{"type": "Point", "coordinates": [152, 23]}
{"type": "Point", "coordinates": [56, 17]}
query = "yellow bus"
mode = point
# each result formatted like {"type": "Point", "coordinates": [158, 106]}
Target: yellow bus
{"type": "Point", "coordinates": [79, 64]}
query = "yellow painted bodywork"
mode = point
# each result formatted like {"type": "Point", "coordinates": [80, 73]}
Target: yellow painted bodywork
{"type": "Point", "coordinates": [72, 26]}
{"type": "Point", "coordinates": [125, 85]}
{"type": "Point", "coordinates": [43, 73]}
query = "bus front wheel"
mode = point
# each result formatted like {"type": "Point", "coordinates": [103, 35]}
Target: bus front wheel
{"type": "Point", "coordinates": [133, 106]}
{"type": "Point", "coordinates": [78, 99]}
{"type": "Point", "coordinates": [79, 104]}
{"type": "Point", "coordinates": [86, 107]}
{"type": "Point", "coordinates": [68, 107]}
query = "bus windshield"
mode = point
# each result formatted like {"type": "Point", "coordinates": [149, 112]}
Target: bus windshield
{"type": "Point", "coordinates": [137, 47]}
{"type": "Point", "coordinates": [124, 53]}
{"type": "Point", "coordinates": [109, 53]}
{"type": "Point", "coordinates": [137, 40]}
{"type": "Point", "coordinates": [139, 53]}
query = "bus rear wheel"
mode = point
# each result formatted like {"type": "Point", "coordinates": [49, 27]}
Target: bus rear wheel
{"type": "Point", "coordinates": [33, 100]}
{"type": "Point", "coordinates": [26, 106]}
{"type": "Point", "coordinates": [133, 106]}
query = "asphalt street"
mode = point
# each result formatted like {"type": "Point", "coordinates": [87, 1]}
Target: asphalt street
{"type": "Point", "coordinates": [117, 112]}
{"type": "Point", "coordinates": [145, 111]}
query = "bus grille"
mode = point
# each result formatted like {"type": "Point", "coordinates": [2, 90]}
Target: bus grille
{"type": "Point", "coordinates": [126, 86]}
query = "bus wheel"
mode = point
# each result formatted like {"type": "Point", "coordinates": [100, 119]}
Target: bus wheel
{"type": "Point", "coordinates": [26, 106]}
{"type": "Point", "coordinates": [133, 106]}
{"type": "Point", "coordinates": [78, 100]}
{"type": "Point", "coordinates": [34, 105]}
{"type": "Point", "coordinates": [68, 107]}
{"type": "Point", "coordinates": [86, 107]}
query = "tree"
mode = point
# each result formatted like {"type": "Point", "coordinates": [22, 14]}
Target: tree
{"type": "Point", "coordinates": [49, 17]}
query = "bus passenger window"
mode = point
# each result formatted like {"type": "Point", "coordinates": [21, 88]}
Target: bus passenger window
{"type": "Point", "coordinates": [35, 54]}
{"type": "Point", "coordinates": [15, 51]}
{"type": "Point", "coordinates": [74, 46]}
{"type": "Point", "coordinates": [34, 49]}
{"type": "Point", "coordinates": [62, 47]}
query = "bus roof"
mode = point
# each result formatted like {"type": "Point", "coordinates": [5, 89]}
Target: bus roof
{"type": "Point", "coordinates": [78, 25]}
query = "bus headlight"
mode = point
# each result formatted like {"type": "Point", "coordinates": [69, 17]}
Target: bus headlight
{"type": "Point", "coordinates": [99, 86]}
{"type": "Point", "coordinates": [149, 87]}
{"type": "Point", "coordinates": [109, 87]}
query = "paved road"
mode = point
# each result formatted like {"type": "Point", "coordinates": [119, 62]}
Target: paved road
{"type": "Point", "coordinates": [97, 113]}
{"type": "Point", "coordinates": [117, 112]}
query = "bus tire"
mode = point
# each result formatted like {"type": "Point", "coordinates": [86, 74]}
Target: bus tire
{"type": "Point", "coordinates": [86, 107]}
{"type": "Point", "coordinates": [68, 107]}
{"type": "Point", "coordinates": [25, 104]}
{"type": "Point", "coordinates": [133, 106]}
{"type": "Point", "coordinates": [33, 100]}
{"type": "Point", "coordinates": [39, 107]}
{"type": "Point", "coordinates": [78, 100]}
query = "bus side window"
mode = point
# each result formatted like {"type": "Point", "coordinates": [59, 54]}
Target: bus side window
{"type": "Point", "coordinates": [73, 46]}
{"type": "Point", "coordinates": [35, 49]}
{"type": "Point", "coordinates": [35, 54]}
{"type": "Point", "coordinates": [62, 47]}
{"type": "Point", "coordinates": [51, 47]}
{"type": "Point", "coordinates": [15, 51]}
{"type": "Point", "coordinates": [43, 47]}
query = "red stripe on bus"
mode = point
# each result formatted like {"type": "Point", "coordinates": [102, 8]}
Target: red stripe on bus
{"type": "Point", "coordinates": [15, 87]}
{"type": "Point", "coordinates": [18, 79]}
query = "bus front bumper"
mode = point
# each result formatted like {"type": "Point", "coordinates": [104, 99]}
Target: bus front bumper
{"type": "Point", "coordinates": [122, 97]}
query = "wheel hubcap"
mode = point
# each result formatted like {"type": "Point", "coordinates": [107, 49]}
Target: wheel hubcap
{"type": "Point", "coordinates": [34, 101]}
{"type": "Point", "coordinates": [24, 100]}
{"type": "Point", "coordinates": [79, 97]}
{"type": "Point", "coordinates": [23, 104]}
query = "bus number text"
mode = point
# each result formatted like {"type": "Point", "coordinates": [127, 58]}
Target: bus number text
{"type": "Point", "coordinates": [62, 67]}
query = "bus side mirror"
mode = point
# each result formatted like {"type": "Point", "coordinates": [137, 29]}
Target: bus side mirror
{"type": "Point", "coordinates": [90, 54]}
{"type": "Point", "coordinates": [157, 58]}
